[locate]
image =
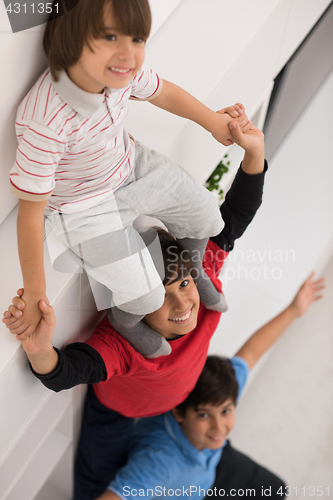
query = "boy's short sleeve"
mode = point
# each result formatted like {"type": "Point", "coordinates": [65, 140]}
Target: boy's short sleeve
{"type": "Point", "coordinates": [146, 85]}
{"type": "Point", "coordinates": [38, 154]}
{"type": "Point", "coordinates": [112, 348]}
{"type": "Point", "coordinates": [242, 371]}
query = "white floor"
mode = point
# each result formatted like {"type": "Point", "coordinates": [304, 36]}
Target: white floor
{"type": "Point", "coordinates": [285, 418]}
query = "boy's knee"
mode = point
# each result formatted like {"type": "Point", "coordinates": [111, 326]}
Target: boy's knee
{"type": "Point", "coordinates": [145, 304]}
{"type": "Point", "coordinates": [212, 215]}
{"type": "Point", "coordinates": [203, 214]}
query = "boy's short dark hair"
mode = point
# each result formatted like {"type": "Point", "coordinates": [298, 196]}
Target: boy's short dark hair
{"type": "Point", "coordinates": [177, 263]}
{"type": "Point", "coordinates": [217, 383]}
{"type": "Point", "coordinates": [76, 22]}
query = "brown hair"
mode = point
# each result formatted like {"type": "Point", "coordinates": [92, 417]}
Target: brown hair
{"type": "Point", "coordinates": [177, 263]}
{"type": "Point", "coordinates": [217, 383]}
{"type": "Point", "coordinates": [76, 22]}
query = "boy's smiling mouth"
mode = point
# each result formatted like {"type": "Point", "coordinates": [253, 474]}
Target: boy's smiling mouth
{"type": "Point", "coordinates": [217, 439]}
{"type": "Point", "coordinates": [184, 317]}
{"type": "Point", "coordinates": [119, 70]}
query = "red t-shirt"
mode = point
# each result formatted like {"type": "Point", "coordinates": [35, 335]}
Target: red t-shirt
{"type": "Point", "coordinates": [139, 387]}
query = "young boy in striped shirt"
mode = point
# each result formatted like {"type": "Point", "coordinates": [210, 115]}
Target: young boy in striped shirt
{"type": "Point", "coordinates": [78, 166]}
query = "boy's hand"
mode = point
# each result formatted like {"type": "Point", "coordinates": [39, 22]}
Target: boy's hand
{"type": "Point", "coordinates": [308, 293]}
{"type": "Point", "coordinates": [26, 322]}
{"type": "Point", "coordinates": [39, 340]}
{"type": "Point", "coordinates": [234, 111]}
{"type": "Point", "coordinates": [37, 345]}
{"type": "Point", "coordinates": [253, 143]}
{"type": "Point", "coordinates": [14, 310]}
{"type": "Point", "coordinates": [252, 140]}
{"type": "Point", "coordinates": [224, 117]}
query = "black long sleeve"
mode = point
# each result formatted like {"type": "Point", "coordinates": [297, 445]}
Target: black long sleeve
{"type": "Point", "coordinates": [79, 363]}
{"type": "Point", "coordinates": [240, 206]}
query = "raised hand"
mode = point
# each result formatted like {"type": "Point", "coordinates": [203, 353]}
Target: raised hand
{"type": "Point", "coordinates": [37, 344]}
{"type": "Point", "coordinates": [309, 292]}
{"type": "Point", "coordinates": [252, 140]}
{"type": "Point", "coordinates": [24, 323]}
{"type": "Point", "coordinates": [221, 127]}
{"type": "Point", "coordinates": [41, 335]}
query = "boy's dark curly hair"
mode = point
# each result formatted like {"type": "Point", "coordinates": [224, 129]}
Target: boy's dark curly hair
{"type": "Point", "coordinates": [217, 383]}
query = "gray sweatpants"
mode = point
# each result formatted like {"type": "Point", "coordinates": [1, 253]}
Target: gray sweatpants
{"type": "Point", "coordinates": [111, 250]}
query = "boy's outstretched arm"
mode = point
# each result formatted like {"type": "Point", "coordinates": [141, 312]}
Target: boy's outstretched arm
{"type": "Point", "coordinates": [30, 238]}
{"type": "Point", "coordinates": [38, 345]}
{"type": "Point", "coordinates": [252, 141]}
{"type": "Point", "coordinates": [179, 102]}
{"type": "Point", "coordinates": [245, 194]}
{"type": "Point", "coordinates": [77, 364]}
{"type": "Point", "coordinates": [267, 335]}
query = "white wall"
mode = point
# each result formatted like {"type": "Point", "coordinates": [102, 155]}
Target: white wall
{"type": "Point", "coordinates": [22, 60]}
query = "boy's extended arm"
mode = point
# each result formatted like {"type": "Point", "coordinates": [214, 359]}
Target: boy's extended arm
{"type": "Point", "coordinates": [268, 334]}
{"type": "Point", "coordinates": [179, 102]}
{"type": "Point", "coordinates": [38, 346]}
{"type": "Point", "coordinates": [245, 194]}
{"type": "Point", "coordinates": [78, 364]}
{"type": "Point", "coordinates": [30, 238]}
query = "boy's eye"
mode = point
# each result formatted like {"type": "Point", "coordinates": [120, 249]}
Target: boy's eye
{"type": "Point", "coordinates": [139, 40]}
{"type": "Point", "coordinates": [202, 415]}
{"type": "Point", "coordinates": [110, 38]}
{"type": "Point", "coordinates": [226, 412]}
{"type": "Point", "coordinates": [184, 283]}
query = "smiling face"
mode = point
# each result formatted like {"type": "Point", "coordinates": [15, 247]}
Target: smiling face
{"type": "Point", "coordinates": [110, 61]}
{"type": "Point", "coordinates": [179, 312]}
{"type": "Point", "coordinates": [207, 426]}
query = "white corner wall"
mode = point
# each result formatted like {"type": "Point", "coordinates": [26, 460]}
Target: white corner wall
{"type": "Point", "coordinates": [22, 60]}
{"type": "Point", "coordinates": [222, 52]}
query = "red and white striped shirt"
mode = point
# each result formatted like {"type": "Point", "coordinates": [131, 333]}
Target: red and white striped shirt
{"type": "Point", "coordinates": [73, 149]}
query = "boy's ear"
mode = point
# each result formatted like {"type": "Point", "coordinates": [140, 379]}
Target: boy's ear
{"type": "Point", "coordinates": [177, 414]}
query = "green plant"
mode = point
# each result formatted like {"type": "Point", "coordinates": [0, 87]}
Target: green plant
{"type": "Point", "coordinates": [213, 182]}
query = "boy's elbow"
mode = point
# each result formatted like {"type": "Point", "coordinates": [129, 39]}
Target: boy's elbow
{"type": "Point", "coordinates": [248, 356]}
